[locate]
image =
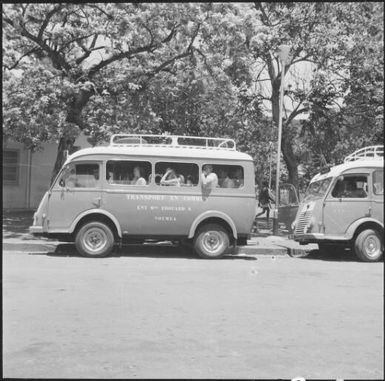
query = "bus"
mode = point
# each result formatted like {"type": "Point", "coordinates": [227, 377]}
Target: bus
{"type": "Point", "coordinates": [344, 206]}
{"type": "Point", "coordinates": [198, 191]}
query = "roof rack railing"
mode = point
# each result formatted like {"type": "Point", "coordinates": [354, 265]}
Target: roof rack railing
{"type": "Point", "coordinates": [371, 152]}
{"type": "Point", "coordinates": [175, 141]}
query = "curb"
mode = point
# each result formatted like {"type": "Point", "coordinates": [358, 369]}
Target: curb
{"type": "Point", "coordinates": [261, 250]}
{"type": "Point", "coordinates": [30, 246]}
{"type": "Point", "coordinates": [49, 247]}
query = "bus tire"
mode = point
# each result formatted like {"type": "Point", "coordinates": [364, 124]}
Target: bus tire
{"type": "Point", "coordinates": [94, 239]}
{"type": "Point", "coordinates": [211, 241]}
{"type": "Point", "coordinates": [369, 246]}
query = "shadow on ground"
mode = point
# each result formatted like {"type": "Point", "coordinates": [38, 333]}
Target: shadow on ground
{"type": "Point", "coordinates": [338, 256]}
{"type": "Point", "coordinates": [16, 224]}
{"type": "Point", "coordinates": [146, 251]}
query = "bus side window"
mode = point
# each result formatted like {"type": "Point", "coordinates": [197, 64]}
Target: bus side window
{"type": "Point", "coordinates": [378, 182]}
{"type": "Point", "coordinates": [351, 187]}
{"type": "Point", "coordinates": [80, 176]}
{"type": "Point", "coordinates": [176, 174]}
{"type": "Point", "coordinates": [229, 176]}
{"type": "Point", "coordinates": [87, 175]}
{"type": "Point", "coordinates": [128, 172]}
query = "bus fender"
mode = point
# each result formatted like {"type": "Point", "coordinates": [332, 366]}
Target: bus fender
{"type": "Point", "coordinates": [209, 214]}
{"type": "Point", "coordinates": [96, 211]}
{"type": "Point", "coordinates": [353, 227]}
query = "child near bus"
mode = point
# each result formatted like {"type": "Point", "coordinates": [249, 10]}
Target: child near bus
{"type": "Point", "coordinates": [264, 199]}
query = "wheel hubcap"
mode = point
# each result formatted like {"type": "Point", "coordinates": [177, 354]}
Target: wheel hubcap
{"type": "Point", "coordinates": [95, 240]}
{"type": "Point", "coordinates": [372, 246]}
{"type": "Point", "coordinates": [212, 242]}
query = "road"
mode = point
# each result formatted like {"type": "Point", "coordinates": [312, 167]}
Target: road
{"type": "Point", "coordinates": [154, 314]}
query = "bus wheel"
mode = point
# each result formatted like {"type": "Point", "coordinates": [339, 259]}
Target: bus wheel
{"type": "Point", "coordinates": [211, 241]}
{"type": "Point", "coordinates": [94, 239]}
{"type": "Point", "coordinates": [369, 246]}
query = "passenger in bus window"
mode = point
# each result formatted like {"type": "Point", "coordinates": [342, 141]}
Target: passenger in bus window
{"type": "Point", "coordinates": [171, 178]}
{"type": "Point", "coordinates": [228, 182]}
{"type": "Point", "coordinates": [189, 181]}
{"type": "Point", "coordinates": [138, 177]}
{"type": "Point", "coordinates": [238, 178]}
{"type": "Point", "coordinates": [110, 177]}
{"type": "Point", "coordinates": [209, 178]}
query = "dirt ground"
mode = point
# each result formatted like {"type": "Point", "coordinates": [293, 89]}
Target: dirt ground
{"type": "Point", "coordinates": [144, 315]}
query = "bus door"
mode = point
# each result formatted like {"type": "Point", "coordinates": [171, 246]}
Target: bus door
{"type": "Point", "coordinates": [347, 202]}
{"type": "Point", "coordinates": [77, 189]}
{"type": "Point", "coordinates": [288, 205]}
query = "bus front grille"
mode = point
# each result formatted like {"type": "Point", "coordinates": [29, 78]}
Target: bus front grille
{"type": "Point", "coordinates": [303, 220]}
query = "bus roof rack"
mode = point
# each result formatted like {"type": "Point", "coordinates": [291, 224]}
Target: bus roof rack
{"type": "Point", "coordinates": [371, 152]}
{"type": "Point", "coordinates": [174, 141]}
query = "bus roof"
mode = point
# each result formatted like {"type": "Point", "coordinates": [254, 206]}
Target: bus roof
{"type": "Point", "coordinates": [339, 169]}
{"type": "Point", "coordinates": [161, 152]}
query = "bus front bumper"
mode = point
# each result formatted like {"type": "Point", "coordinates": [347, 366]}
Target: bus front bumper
{"type": "Point", "coordinates": [36, 231]}
{"type": "Point", "coordinates": [304, 239]}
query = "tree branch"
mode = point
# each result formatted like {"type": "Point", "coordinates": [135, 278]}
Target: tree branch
{"type": "Point", "coordinates": [87, 53]}
{"type": "Point", "coordinates": [295, 113]}
{"type": "Point", "coordinates": [47, 18]}
{"type": "Point", "coordinates": [265, 18]}
{"type": "Point", "coordinates": [117, 57]}
{"type": "Point", "coordinates": [23, 56]}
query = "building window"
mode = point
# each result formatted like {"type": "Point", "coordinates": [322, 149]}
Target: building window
{"type": "Point", "coordinates": [11, 167]}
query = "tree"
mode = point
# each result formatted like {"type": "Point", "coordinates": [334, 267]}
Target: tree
{"type": "Point", "coordinates": [335, 132]}
{"type": "Point", "coordinates": [96, 48]}
{"type": "Point", "coordinates": [322, 34]}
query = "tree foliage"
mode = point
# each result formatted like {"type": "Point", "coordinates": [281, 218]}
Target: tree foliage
{"type": "Point", "coordinates": [200, 69]}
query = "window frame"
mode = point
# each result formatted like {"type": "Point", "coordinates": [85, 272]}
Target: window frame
{"type": "Point", "coordinates": [99, 183]}
{"type": "Point", "coordinates": [128, 160]}
{"type": "Point", "coordinates": [349, 175]}
{"type": "Point", "coordinates": [373, 188]}
{"type": "Point", "coordinates": [228, 165]}
{"type": "Point", "coordinates": [15, 166]}
{"type": "Point", "coordinates": [160, 186]}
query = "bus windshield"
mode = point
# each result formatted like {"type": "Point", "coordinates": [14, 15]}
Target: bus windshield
{"type": "Point", "coordinates": [317, 189]}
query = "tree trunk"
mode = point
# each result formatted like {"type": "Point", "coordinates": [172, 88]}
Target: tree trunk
{"type": "Point", "coordinates": [286, 144]}
{"type": "Point", "coordinates": [74, 115]}
{"type": "Point", "coordinates": [290, 160]}
{"type": "Point", "coordinates": [65, 144]}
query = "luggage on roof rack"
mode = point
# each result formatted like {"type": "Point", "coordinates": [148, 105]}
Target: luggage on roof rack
{"type": "Point", "coordinates": [371, 152]}
{"type": "Point", "coordinates": [175, 141]}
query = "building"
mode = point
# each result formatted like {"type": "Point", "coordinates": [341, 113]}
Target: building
{"type": "Point", "coordinates": [27, 175]}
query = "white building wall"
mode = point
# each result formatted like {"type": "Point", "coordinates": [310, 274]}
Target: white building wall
{"type": "Point", "coordinates": [34, 176]}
